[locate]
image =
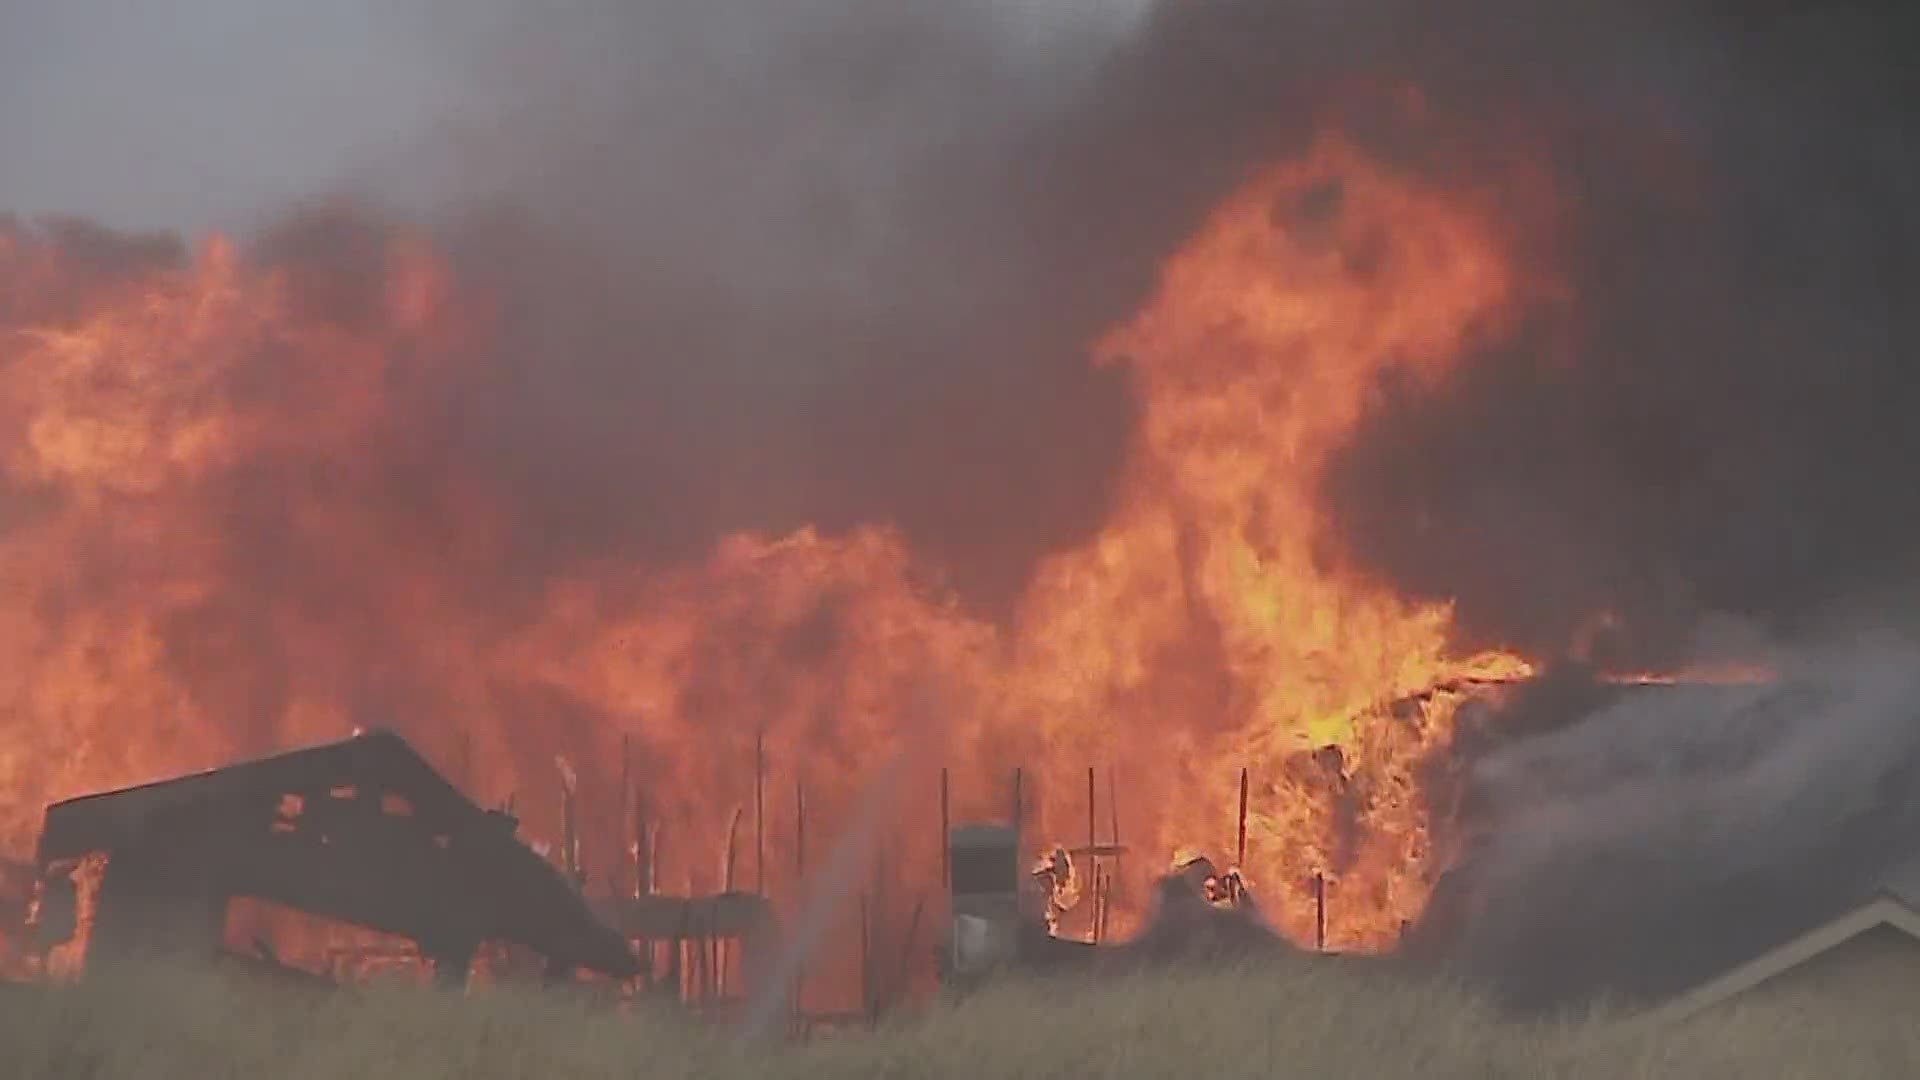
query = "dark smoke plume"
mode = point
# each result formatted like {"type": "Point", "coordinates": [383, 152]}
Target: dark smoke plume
{"type": "Point", "coordinates": [1720, 421]}
{"type": "Point", "coordinates": [840, 262]}
{"type": "Point", "coordinates": [778, 264]}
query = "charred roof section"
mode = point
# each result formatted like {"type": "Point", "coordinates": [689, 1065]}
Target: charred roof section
{"type": "Point", "coordinates": [363, 831]}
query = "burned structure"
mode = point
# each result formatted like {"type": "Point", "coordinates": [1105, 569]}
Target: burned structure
{"type": "Point", "coordinates": [362, 832]}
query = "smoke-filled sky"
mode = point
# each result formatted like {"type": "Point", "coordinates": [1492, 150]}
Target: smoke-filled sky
{"type": "Point", "coordinates": [841, 261]}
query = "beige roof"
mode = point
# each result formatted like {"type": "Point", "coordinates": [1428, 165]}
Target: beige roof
{"type": "Point", "coordinates": [1888, 909]}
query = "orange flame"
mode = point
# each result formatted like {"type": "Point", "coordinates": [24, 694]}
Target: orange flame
{"type": "Point", "coordinates": [1211, 624]}
{"type": "Point", "coordinates": [65, 960]}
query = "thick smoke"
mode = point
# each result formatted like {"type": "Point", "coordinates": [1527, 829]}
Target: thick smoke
{"type": "Point", "coordinates": [840, 262]}
{"type": "Point", "coordinates": [836, 263]}
{"type": "Point", "coordinates": [1677, 831]}
{"type": "Point", "coordinates": [1717, 418]}
{"type": "Point", "coordinates": [774, 264]}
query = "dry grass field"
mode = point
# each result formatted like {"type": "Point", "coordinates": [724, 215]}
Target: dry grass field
{"type": "Point", "coordinates": [1308, 1022]}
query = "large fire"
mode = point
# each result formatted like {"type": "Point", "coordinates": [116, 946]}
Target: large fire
{"type": "Point", "coordinates": [1211, 625]}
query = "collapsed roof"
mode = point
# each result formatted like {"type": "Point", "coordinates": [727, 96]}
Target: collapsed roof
{"type": "Point", "coordinates": [363, 831]}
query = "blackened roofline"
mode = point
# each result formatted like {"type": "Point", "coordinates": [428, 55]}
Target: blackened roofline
{"type": "Point", "coordinates": [94, 822]}
{"type": "Point", "coordinates": [539, 907]}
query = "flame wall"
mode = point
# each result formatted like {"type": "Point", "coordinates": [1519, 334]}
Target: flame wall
{"type": "Point", "coordinates": [237, 540]}
{"type": "Point", "coordinates": [1150, 418]}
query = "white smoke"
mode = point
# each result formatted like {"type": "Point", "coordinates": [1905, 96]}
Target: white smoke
{"type": "Point", "coordinates": [1715, 768]}
{"type": "Point", "coordinates": [1614, 845]}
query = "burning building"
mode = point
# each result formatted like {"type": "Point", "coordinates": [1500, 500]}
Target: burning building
{"type": "Point", "coordinates": [1226, 417]}
{"type": "Point", "coordinates": [361, 833]}
{"type": "Point", "coordinates": [1206, 602]}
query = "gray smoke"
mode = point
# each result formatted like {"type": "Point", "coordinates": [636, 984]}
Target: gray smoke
{"type": "Point", "coordinates": [838, 261]}
{"type": "Point", "coordinates": [1673, 832]}
{"type": "Point", "coordinates": [1719, 422]}
{"type": "Point", "coordinates": [777, 263]}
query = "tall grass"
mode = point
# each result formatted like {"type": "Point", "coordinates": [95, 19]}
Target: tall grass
{"type": "Point", "coordinates": [1290, 1020]}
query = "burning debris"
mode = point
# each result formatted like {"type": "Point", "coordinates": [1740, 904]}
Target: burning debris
{"type": "Point", "coordinates": [1055, 874]}
{"type": "Point", "coordinates": [1198, 875]}
{"type": "Point", "coordinates": [1200, 917]}
{"type": "Point", "coordinates": [1197, 916]}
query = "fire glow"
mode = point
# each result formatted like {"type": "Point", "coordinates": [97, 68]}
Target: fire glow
{"type": "Point", "coordinates": [1209, 626]}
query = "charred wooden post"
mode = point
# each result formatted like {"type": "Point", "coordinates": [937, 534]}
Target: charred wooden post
{"type": "Point", "coordinates": [717, 945]}
{"type": "Point", "coordinates": [1017, 808]}
{"type": "Point", "coordinates": [628, 847]}
{"type": "Point", "coordinates": [677, 961]}
{"type": "Point", "coordinates": [637, 851]}
{"type": "Point", "coordinates": [900, 982]}
{"type": "Point", "coordinates": [866, 962]}
{"type": "Point", "coordinates": [569, 825]}
{"type": "Point", "coordinates": [1093, 907]}
{"type": "Point", "coordinates": [642, 850]}
{"type": "Point", "coordinates": [1093, 860]}
{"type": "Point", "coordinates": [1106, 914]}
{"type": "Point", "coordinates": [702, 960]}
{"type": "Point", "coordinates": [1106, 905]}
{"type": "Point", "coordinates": [799, 828]}
{"type": "Point", "coordinates": [1320, 912]}
{"type": "Point", "coordinates": [878, 930]}
{"type": "Point", "coordinates": [654, 846]}
{"type": "Point", "coordinates": [733, 838]}
{"type": "Point", "coordinates": [1093, 841]}
{"type": "Point", "coordinates": [1240, 848]}
{"type": "Point", "coordinates": [1113, 814]}
{"type": "Point", "coordinates": [799, 874]}
{"type": "Point", "coordinates": [709, 960]}
{"type": "Point", "coordinates": [760, 812]}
